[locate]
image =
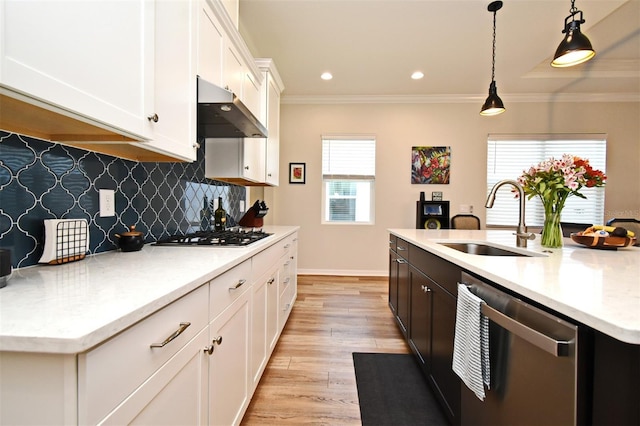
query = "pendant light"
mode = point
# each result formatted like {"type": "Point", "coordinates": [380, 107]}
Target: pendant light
{"type": "Point", "coordinates": [575, 48]}
{"type": "Point", "coordinates": [493, 105]}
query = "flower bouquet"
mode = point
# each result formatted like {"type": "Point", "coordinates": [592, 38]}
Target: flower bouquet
{"type": "Point", "coordinates": [554, 181]}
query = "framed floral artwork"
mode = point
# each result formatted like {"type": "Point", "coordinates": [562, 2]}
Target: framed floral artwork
{"type": "Point", "coordinates": [297, 172]}
{"type": "Point", "coordinates": [430, 164]}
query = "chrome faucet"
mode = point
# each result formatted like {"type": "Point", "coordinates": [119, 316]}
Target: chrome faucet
{"type": "Point", "coordinates": [521, 233]}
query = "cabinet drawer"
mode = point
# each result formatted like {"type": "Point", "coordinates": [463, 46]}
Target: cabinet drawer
{"type": "Point", "coordinates": [443, 272]}
{"type": "Point", "coordinates": [264, 260]}
{"type": "Point", "coordinates": [228, 287]}
{"type": "Point", "coordinates": [111, 371]}
{"type": "Point", "coordinates": [392, 242]}
{"type": "Point", "coordinates": [402, 248]}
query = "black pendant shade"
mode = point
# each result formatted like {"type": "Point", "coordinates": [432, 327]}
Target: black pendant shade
{"type": "Point", "coordinates": [575, 48]}
{"type": "Point", "coordinates": [493, 105]}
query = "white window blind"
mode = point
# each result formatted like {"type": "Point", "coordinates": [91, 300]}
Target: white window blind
{"type": "Point", "coordinates": [348, 174]}
{"type": "Point", "coordinates": [509, 155]}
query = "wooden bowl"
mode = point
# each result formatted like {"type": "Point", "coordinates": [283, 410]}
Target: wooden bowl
{"type": "Point", "coordinates": [600, 242]}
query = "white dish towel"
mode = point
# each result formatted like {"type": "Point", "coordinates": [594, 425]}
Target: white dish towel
{"type": "Point", "coordinates": [471, 343]}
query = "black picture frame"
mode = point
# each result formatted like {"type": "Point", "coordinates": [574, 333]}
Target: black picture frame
{"type": "Point", "coordinates": [297, 173]}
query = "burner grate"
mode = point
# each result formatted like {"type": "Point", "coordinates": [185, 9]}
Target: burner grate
{"type": "Point", "coordinates": [231, 237]}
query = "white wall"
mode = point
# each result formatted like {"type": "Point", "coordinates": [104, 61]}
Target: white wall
{"type": "Point", "coordinates": [363, 250]}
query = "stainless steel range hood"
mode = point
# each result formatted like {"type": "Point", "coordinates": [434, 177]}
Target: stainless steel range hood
{"type": "Point", "coordinates": [222, 115]}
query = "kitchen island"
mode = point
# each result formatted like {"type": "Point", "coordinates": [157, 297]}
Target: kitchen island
{"type": "Point", "coordinates": [597, 291]}
{"type": "Point", "coordinates": [599, 288]}
{"type": "Point", "coordinates": [103, 338]}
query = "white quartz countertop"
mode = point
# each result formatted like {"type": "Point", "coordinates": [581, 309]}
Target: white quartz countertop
{"type": "Point", "coordinates": [599, 288]}
{"type": "Point", "coordinates": [72, 307]}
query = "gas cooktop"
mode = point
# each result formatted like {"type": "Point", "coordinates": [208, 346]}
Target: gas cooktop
{"type": "Point", "coordinates": [234, 237]}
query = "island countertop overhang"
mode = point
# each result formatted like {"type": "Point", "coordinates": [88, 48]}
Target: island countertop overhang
{"type": "Point", "coordinates": [599, 288]}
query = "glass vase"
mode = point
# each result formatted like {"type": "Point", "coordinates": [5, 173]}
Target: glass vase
{"type": "Point", "coordinates": [552, 231]}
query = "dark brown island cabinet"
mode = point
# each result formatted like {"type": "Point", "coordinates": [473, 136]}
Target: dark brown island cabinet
{"type": "Point", "coordinates": [422, 297]}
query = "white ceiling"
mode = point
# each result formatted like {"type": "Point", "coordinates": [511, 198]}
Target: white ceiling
{"type": "Point", "coordinates": [373, 46]}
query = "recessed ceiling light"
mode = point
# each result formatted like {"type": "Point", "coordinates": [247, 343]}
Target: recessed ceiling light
{"type": "Point", "coordinates": [326, 76]}
{"type": "Point", "coordinates": [417, 75]}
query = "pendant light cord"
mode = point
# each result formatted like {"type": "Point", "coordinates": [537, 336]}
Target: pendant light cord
{"type": "Point", "coordinates": [493, 58]}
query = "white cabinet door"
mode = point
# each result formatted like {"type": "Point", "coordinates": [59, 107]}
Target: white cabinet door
{"type": "Point", "coordinates": [173, 126]}
{"type": "Point", "coordinates": [233, 69]}
{"type": "Point", "coordinates": [264, 322]}
{"type": "Point", "coordinates": [94, 58]}
{"type": "Point", "coordinates": [272, 172]}
{"type": "Point", "coordinates": [253, 156]}
{"type": "Point", "coordinates": [210, 45]}
{"type": "Point", "coordinates": [229, 376]}
{"type": "Point", "coordinates": [235, 160]}
{"type": "Point", "coordinates": [175, 395]}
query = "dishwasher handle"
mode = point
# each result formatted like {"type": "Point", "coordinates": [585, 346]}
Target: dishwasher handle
{"type": "Point", "coordinates": [546, 343]}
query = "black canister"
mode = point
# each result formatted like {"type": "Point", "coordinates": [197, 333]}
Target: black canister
{"type": "Point", "coordinates": [5, 266]}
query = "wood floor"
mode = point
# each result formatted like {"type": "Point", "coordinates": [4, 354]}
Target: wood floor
{"type": "Point", "coordinates": [310, 377]}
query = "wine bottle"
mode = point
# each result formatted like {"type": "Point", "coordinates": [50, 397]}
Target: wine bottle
{"type": "Point", "coordinates": [205, 215]}
{"type": "Point", "coordinates": [219, 217]}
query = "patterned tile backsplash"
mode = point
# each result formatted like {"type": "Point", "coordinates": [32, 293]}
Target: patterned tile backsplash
{"type": "Point", "coordinates": [43, 180]}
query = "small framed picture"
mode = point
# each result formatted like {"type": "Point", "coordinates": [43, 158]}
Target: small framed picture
{"type": "Point", "coordinates": [297, 172]}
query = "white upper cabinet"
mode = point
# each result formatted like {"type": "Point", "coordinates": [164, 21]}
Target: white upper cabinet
{"type": "Point", "coordinates": [125, 66]}
{"type": "Point", "coordinates": [210, 45]}
{"type": "Point", "coordinates": [270, 99]}
{"type": "Point", "coordinates": [173, 123]}
{"type": "Point", "coordinates": [94, 58]}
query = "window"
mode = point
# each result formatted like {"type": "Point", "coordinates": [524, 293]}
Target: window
{"type": "Point", "coordinates": [348, 177]}
{"type": "Point", "coordinates": [508, 156]}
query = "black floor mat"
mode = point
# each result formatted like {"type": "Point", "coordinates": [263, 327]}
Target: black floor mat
{"type": "Point", "coordinates": [393, 391]}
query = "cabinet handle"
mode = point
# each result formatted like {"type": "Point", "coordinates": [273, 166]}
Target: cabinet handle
{"type": "Point", "coordinates": [286, 280]}
{"type": "Point", "coordinates": [240, 283]}
{"type": "Point", "coordinates": [183, 327]}
{"type": "Point", "coordinates": [217, 341]}
{"type": "Point", "coordinates": [425, 288]}
{"type": "Point", "coordinates": [153, 118]}
{"type": "Point", "coordinates": [401, 261]}
{"type": "Point", "coordinates": [286, 246]}
{"type": "Point", "coordinates": [246, 167]}
{"type": "Point", "coordinates": [291, 258]}
{"type": "Point", "coordinates": [271, 281]}
{"type": "Point", "coordinates": [400, 248]}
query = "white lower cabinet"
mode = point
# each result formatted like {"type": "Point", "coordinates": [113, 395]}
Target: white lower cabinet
{"type": "Point", "coordinates": [135, 357]}
{"type": "Point", "coordinates": [229, 390]}
{"type": "Point", "coordinates": [264, 322]}
{"type": "Point", "coordinates": [175, 394]}
{"type": "Point", "coordinates": [196, 361]}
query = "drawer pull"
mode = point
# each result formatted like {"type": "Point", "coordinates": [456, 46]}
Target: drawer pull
{"type": "Point", "coordinates": [183, 327]}
{"type": "Point", "coordinates": [240, 283]}
{"type": "Point", "coordinates": [153, 118]}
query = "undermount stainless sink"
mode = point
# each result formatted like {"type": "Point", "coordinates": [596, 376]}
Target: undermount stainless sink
{"type": "Point", "coordinates": [483, 249]}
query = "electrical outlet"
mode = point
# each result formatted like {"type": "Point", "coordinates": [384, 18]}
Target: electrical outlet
{"type": "Point", "coordinates": [107, 203]}
{"type": "Point", "coordinates": [466, 208]}
{"type": "Point", "coordinates": [241, 206]}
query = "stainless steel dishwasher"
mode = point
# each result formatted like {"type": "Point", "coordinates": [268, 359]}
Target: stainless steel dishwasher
{"type": "Point", "coordinates": [533, 361]}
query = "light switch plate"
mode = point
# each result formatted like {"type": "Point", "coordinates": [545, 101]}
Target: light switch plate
{"type": "Point", "coordinates": [107, 203]}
